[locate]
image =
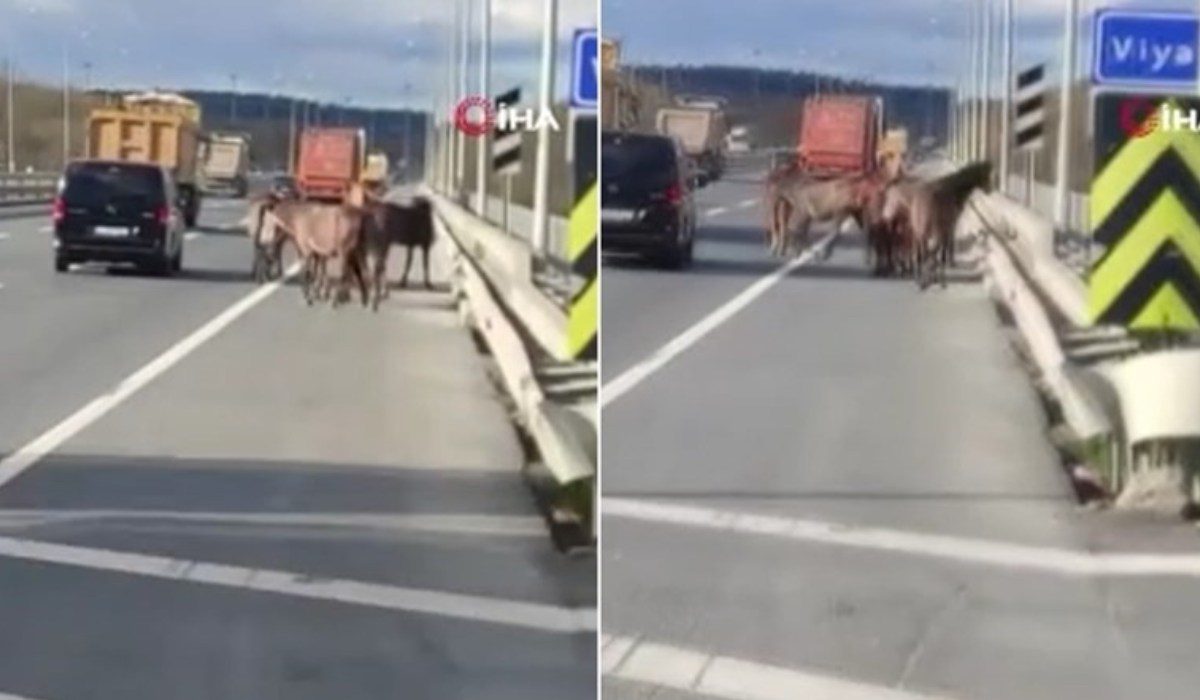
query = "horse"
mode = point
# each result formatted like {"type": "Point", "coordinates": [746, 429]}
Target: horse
{"type": "Point", "coordinates": [321, 233]}
{"type": "Point", "coordinates": [931, 210]}
{"type": "Point", "coordinates": [795, 201]}
{"type": "Point", "coordinates": [391, 223]}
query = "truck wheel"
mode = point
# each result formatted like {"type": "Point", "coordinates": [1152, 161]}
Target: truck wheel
{"type": "Point", "coordinates": [61, 263]}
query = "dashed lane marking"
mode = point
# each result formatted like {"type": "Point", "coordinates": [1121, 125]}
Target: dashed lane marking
{"type": "Point", "coordinates": [716, 211]}
{"type": "Point", "coordinates": [535, 616]}
{"type": "Point", "coordinates": [713, 676]}
{"type": "Point", "coordinates": [633, 376]}
{"type": "Point", "coordinates": [1048, 560]}
{"type": "Point", "coordinates": [28, 455]}
{"type": "Point", "coordinates": [45, 229]}
{"type": "Point", "coordinates": [4, 236]}
{"type": "Point", "coordinates": [191, 235]}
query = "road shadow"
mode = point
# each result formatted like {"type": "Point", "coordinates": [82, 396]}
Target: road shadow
{"type": "Point", "coordinates": [236, 230]}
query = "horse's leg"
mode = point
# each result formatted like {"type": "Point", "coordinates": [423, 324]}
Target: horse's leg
{"type": "Point", "coordinates": [408, 258]}
{"type": "Point", "coordinates": [425, 265]}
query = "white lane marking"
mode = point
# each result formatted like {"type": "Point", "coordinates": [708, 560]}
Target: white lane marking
{"type": "Point", "coordinates": [716, 211]}
{"type": "Point", "coordinates": [747, 203]}
{"type": "Point", "coordinates": [1049, 560]}
{"type": "Point", "coordinates": [9, 696]}
{"type": "Point", "coordinates": [4, 236]}
{"type": "Point", "coordinates": [26, 456]}
{"type": "Point", "coordinates": [45, 229]}
{"type": "Point", "coordinates": [453, 523]}
{"type": "Point", "coordinates": [191, 235]}
{"type": "Point", "coordinates": [633, 376]}
{"type": "Point", "coordinates": [498, 611]}
{"type": "Point", "coordinates": [707, 674]}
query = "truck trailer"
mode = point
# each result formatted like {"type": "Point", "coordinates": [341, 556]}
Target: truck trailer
{"type": "Point", "coordinates": [330, 162]}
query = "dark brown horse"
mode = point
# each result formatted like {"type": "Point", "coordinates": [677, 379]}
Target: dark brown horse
{"type": "Point", "coordinates": [388, 223]}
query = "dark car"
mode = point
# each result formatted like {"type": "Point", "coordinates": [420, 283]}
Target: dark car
{"type": "Point", "coordinates": [646, 198]}
{"type": "Point", "coordinates": [284, 187]}
{"type": "Point", "coordinates": [118, 212]}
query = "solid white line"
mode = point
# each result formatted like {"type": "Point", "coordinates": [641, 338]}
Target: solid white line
{"type": "Point", "coordinates": [26, 456]}
{"type": "Point", "coordinates": [498, 611]}
{"type": "Point", "coordinates": [663, 666]}
{"type": "Point", "coordinates": [453, 523]}
{"type": "Point", "coordinates": [633, 376]}
{"type": "Point", "coordinates": [1049, 560]}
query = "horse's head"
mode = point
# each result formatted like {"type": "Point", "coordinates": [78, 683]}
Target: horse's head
{"type": "Point", "coordinates": [959, 185]}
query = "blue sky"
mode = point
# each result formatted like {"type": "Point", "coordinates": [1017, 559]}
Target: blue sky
{"type": "Point", "coordinates": [894, 41]}
{"type": "Point", "coordinates": [367, 50]}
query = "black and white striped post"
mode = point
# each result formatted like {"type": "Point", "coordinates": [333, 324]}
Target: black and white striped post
{"type": "Point", "coordinates": [1031, 120]}
{"type": "Point", "coordinates": [506, 150]}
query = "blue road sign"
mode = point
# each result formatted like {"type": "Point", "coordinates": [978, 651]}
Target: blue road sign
{"type": "Point", "coordinates": [1146, 49]}
{"type": "Point", "coordinates": [585, 69]}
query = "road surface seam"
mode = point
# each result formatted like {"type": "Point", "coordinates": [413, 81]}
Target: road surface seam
{"type": "Point", "coordinates": [1049, 560]}
{"type": "Point", "coordinates": [511, 613]}
{"type": "Point", "coordinates": [633, 376]}
{"type": "Point", "coordinates": [711, 675]}
{"type": "Point", "coordinates": [28, 455]}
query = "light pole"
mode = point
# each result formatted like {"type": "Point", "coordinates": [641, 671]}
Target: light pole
{"type": "Point", "coordinates": [406, 148]}
{"type": "Point", "coordinates": [1065, 116]}
{"type": "Point", "coordinates": [463, 87]}
{"type": "Point", "coordinates": [12, 115]}
{"type": "Point", "coordinates": [1007, 107]}
{"type": "Point", "coordinates": [985, 119]}
{"type": "Point", "coordinates": [233, 79]}
{"type": "Point", "coordinates": [66, 107]}
{"type": "Point", "coordinates": [541, 186]}
{"type": "Point", "coordinates": [483, 143]}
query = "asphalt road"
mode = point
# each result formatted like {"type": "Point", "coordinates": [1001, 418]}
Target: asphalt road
{"type": "Point", "coordinates": [821, 484]}
{"type": "Point", "coordinates": [208, 490]}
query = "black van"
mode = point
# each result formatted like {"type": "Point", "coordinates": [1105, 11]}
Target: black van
{"type": "Point", "coordinates": [646, 203]}
{"type": "Point", "coordinates": [118, 212]}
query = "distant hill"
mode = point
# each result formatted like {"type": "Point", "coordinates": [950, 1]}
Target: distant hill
{"type": "Point", "coordinates": [768, 101]}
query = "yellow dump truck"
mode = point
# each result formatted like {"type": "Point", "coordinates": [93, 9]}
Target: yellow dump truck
{"type": "Point", "coordinates": [160, 128]}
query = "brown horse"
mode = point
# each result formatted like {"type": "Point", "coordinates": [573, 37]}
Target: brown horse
{"type": "Point", "coordinates": [930, 210]}
{"type": "Point", "coordinates": [390, 223]}
{"type": "Point", "coordinates": [795, 201]}
{"type": "Point", "coordinates": [321, 233]}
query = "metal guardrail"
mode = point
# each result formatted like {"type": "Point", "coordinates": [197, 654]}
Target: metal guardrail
{"type": "Point", "coordinates": [526, 331]}
{"type": "Point", "coordinates": [1109, 386]}
{"type": "Point", "coordinates": [27, 188]}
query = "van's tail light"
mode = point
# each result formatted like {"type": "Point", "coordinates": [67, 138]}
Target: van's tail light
{"type": "Point", "coordinates": [59, 211]}
{"type": "Point", "coordinates": [673, 194]}
{"type": "Point", "coordinates": [163, 215]}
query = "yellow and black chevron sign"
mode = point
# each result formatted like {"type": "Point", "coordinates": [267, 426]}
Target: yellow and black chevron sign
{"type": "Point", "coordinates": [583, 252]}
{"type": "Point", "coordinates": [1145, 212]}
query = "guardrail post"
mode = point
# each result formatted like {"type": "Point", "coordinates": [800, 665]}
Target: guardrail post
{"type": "Point", "coordinates": [541, 187]}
